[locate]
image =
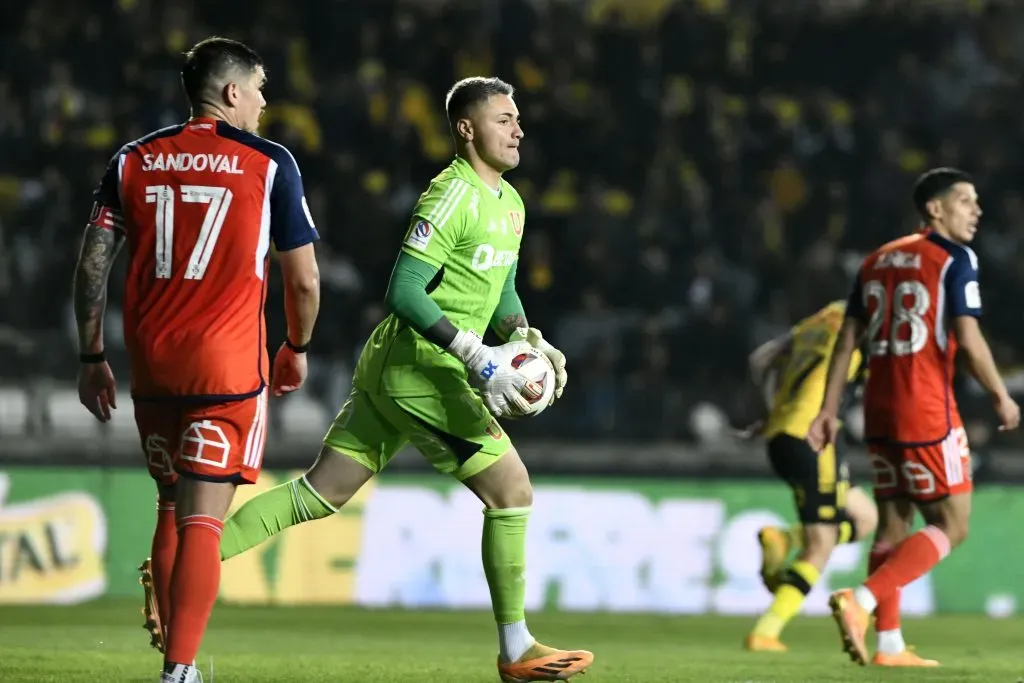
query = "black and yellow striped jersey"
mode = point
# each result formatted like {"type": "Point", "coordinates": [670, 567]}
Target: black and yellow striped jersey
{"type": "Point", "coordinates": [801, 371]}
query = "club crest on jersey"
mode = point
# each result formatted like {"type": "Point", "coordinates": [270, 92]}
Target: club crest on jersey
{"type": "Point", "coordinates": [419, 235]}
{"type": "Point", "coordinates": [517, 221]}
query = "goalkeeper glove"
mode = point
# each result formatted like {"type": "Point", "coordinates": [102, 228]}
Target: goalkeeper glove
{"type": "Point", "coordinates": [557, 358]}
{"type": "Point", "coordinates": [502, 388]}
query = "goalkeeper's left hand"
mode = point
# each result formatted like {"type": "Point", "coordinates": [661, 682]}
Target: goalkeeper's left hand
{"type": "Point", "coordinates": [534, 337]}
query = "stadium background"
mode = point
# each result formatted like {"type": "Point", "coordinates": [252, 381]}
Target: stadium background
{"type": "Point", "coordinates": [698, 175]}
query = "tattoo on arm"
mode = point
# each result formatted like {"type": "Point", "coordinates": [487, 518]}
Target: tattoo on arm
{"type": "Point", "coordinates": [99, 248]}
{"type": "Point", "coordinates": [507, 325]}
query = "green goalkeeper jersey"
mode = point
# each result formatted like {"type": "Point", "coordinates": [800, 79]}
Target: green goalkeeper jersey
{"type": "Point", "coordinates": [471, 233]}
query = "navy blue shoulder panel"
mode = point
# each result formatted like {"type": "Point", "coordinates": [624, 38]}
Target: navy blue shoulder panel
{"type": "Point", "coordinates": [279, 153]}
{"type": "Point", "coordinates": [168, 132]}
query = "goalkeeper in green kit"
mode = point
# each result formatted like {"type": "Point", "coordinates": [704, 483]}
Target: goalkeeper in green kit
{"type": "Point", "coordinates": [425, 377]}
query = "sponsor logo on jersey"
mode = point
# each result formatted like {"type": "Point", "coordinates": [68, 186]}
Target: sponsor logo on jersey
{"type": "Point", "coordinates": [185, 161]}
{"type": "Point", "coordinates": [486, 257]}
{"type": "Point", "coordinates": [419, 235]}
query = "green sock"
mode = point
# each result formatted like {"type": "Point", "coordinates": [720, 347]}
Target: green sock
{"type": "Point", "coordinates": [504, 556]}
{"type": "Point", "coordinates": [270, 513]}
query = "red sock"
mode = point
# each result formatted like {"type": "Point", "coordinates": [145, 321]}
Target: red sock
{"type": "Point", "coordinates": [911, 560]}
{"type": "Point", "coordinates": [887, 614]}
{"type": "Point", "coordinates": [194, 585]}
{"type": "Point", "coordinates": [165, 545]}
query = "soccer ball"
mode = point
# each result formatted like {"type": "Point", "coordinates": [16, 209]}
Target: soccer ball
{"type": "Point", "coordinates": [536, 367]}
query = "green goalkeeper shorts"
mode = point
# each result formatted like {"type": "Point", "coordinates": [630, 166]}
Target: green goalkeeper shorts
{"type": "Point", "coordinates": [455, 432]}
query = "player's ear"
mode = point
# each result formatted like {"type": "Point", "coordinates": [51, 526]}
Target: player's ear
{"type": "Point", "coordinates": [230, 93]}
{"type": "Point", "coordinates": [464, 127]}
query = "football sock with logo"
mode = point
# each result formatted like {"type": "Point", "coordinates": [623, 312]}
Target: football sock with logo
{"type": "Point", "coordinates": [270, 513]}
{"type": "Point", "coordinates": [504, 557]}
{"type": "Point", "coordinates": [887, 613]}
{"type": "Point", "coordinates": [847, 532]}
{"type": "Point", "coordinates": [194, 586]}
{"type": "Point", "coordinates": [797, 582]}
{"type": "Point", "coordinates": [911, 560]}
{"type": "Point", "coordinates": [165, 546]}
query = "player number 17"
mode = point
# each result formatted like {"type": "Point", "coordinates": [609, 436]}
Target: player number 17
{"type": "Point", "coordinates": [217, 199]}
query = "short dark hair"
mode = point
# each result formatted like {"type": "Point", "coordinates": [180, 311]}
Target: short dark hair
{"type": "Point", "coordinates": [471, 91]}
{"type": "Point", "coordinates": [935, 183]}
{"type": "Point", "coordinates": [214, 58]}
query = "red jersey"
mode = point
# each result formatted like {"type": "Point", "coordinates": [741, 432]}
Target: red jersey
{"type": "Point", "coordinates": [200, 204]}
{"type": "Point", "coordinates": [907, 293]}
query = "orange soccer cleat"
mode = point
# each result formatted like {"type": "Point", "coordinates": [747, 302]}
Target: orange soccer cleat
{"type": "Point", "coordinates": [150, 607]}
{"type": "Point", "coordinates": [755, 643]}
{"type": "Point", "coordinates": [543, 663]}
{"type": "Point", "coordinates": [907, 658]}
{"type": "Point", "coordinates": [853, 624]}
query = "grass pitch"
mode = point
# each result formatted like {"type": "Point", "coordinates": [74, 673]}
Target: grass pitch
{"type": "Point", "coordinates": [104, 642]}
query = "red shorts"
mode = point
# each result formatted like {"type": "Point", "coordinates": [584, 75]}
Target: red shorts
{"type": "Point", "coordinates": [212, 442]}
{"type": "Point", "coordinates": [923, 473]}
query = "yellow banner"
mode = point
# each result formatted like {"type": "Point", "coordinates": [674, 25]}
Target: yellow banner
{"type": "Point", "coordinates": [313, 563]}
{"type": "Point", "coordinates": [51, 549]}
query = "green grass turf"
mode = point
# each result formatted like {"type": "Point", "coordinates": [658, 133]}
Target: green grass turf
{"type": "Point", "coordinates": [104, 642]}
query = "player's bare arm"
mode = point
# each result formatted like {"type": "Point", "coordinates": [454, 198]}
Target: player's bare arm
{"type": "Point", "coordinates": [99, 249]}
{"type": "Point", "coordinates": [301, 292]}
{"type": "Point", "coordinates": [509, 324]}
{"type": "Point", "coordinates": [764, 376]}
{"type": "Point", "coordinates": [97, 389]}
{"type": "Point", "coordinates": [509, 315]}
{"type": "Point", "coordinates": [983, 366]}
{"type": "Point", "coordinates": [825, 426]}
{"type": "Point", "coordinates": [513, 327]}
{"type": "Point", "coordinates": [761, 359]}
{"type": "Point", "coordinates": [301, 277]}
{"type": "Point", "coordinates": [849, 338]}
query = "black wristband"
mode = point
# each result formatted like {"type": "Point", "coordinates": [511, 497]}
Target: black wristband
{"type": "Point", "coordinates": [294, 348]}
{"type": "Point", "coordinates": [92, 357]}
{"type": "Point", "coordinates": [441, 333]}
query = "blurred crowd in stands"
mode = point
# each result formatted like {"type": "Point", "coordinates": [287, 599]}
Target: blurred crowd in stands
{"type": "Point", "coordinates": [698, 174]}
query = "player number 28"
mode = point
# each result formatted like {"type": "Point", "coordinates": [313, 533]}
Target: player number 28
{"type": "Point", "coordinates": [910, 302]}
{"type": "Point", "coordinates": [217, 199]}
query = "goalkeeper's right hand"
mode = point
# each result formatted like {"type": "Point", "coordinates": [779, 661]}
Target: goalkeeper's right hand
{"type": "Point", "coordinates": [490, 369]}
